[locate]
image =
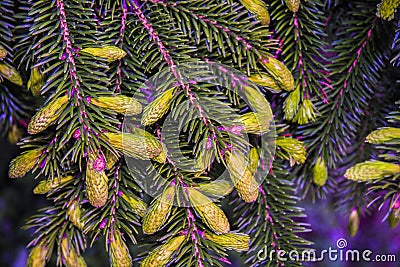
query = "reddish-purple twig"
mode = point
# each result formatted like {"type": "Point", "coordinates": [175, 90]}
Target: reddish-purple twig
{"type": "Point", "coordinates": [269, 219]}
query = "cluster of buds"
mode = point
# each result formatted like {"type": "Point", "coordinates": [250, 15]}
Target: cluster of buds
{"type": "Point", "coordinates": [371, 170]}
{"type": "Point", "coordinates": [96, 184]}
{"type": "Point", "coordinates": [158, 107]}
{"type": "Point", "coordinates": [210, 213]}
{"type": "Point", "coordinates": [47, 115]}
{"type": "Point", "coordinates": [293, 5]}
{"type": "Point", "coordinates": [36, 81]}
{"type": "Point", "coordinates": [160, 256]}
{"type": "Point", "coordinates": [241, 176]}
{"type": "Point", "coordinates": [24, 163]}
{"type": "Point", "coordinates": [320, 172]}
{"type": "Point", "coordinates": [46, 186]}
{"type": "Point", "coordinates": [265, 80]}
{"type": "Point", "coordinates": [258, 8]}
{"type": "Point", "coordinates": [140, 145]}
{"type": "Point", "coordinates": [387, 8]}
{"type": "Point", "coordinates": [3, 52]}
{"type": "Point", "coordinates": [137, 205]}
{"type": "Point", "coordinates": [236, 241]}
{"type": "Point", "coordinates": [38, 255]}
{"type": "Point", "coordinates": [159, 211]}
{"type": "Point", "coordinates": [120, 104]}
{"type": "Point", "coordinates": [383, 135]}
{"type": "Point", "coordinates": [74, 214]}
{"type": "Point", "coordinates": [70, 256]}
{"type": "Point", "coordinates": [10, 73]}
{"type": "Point", "coordinates": [109, 53]}
{"type": "Point", "coordinates": [119, 252]}
{"type": "Point", "coordinates": [291, 149]}
{"type": "Point", "coordinates": [279, 72]}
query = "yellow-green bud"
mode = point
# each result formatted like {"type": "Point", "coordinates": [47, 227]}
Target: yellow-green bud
{"type": "Point", "coordinates": [24, 163]}
{"type": "Point", "coordinates": [47, 115]}
{"type": "Point", "coordinates": [3, 52]}
{"type": "Point", "coordinates": [45, 186]}
{"type": "Point", "coordinates": [257, 102]}
{"type": "Point", "coordinates": [96, 184]}
{"type": "Point", "coordinates": [159, 211]}
{"type": "Point", "coordinates": [110, 53]}
{"type": "Point", "coordinates": [387, 8]}
{"type": "Point", "coordinates": [158, 107]}
{"type": "Point", "coordinates": [320, 172]}
{"type": "Point", "coordinates": [14, 135]}
{"type": "Point", "coordinates": [291, 149]}
{"type": "Point", "coordinates": [218, 187]}
{"type": "Point", "coordinates": [241, 176]}
{"type": "Point", "coordinates": [120, 104]}
{"type": "Point", "coordinates": [74, 214]}
{"type": "Point", "coordinates": [258, 8]}
{"type": "Point", "coordinates": [293, 5]}
{"type": "Point", "coordinates": [371, 170]}
{"type": "Point", "coordinates": [238, 242]}
{"type": "Point", "coordinates": [36, 82]}
{"type": "Point", "coordinates": [140, 145]}
{"type": "Point", "coordinates": [210, 213]}
{"type": "Point", "coordinates": [119, 252]}
{"type": "Point", "coordinates": [394, 218]}
{"type": "Point", "coordinates": [137, 205]}
{"type": "Point", "coordinates": [253, 160]}
{"type": "Point", "coordinates": [279, 72]}
{"type": "Point", "coordinates": [383, 135]}
{"type": "Point", "coordinates": [11, 74]}
{"type": "Point", "coordinates": [160, 256]}
{"type": "Point", "coordinates": [263, 79]}
{"type": "Point", "coordinates": [291, 105]}
{"type": "Point", "coordinates": [254, 123]}
{"type": "Point", "coordinates": [70, 255]}
{"type": "Point", "coordinates": [306, 113]}
{"type": "Point", "coordinates": [111, 159]}
{"type": "Point", "coordinates": [354, 223]}
{"type": "Point", "coordinates": [37, 256]}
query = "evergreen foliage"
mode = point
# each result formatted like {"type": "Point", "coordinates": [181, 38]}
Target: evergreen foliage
{"type": "Point", "coordinates": [82, 62]}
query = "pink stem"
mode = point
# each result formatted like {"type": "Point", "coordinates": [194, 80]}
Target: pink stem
{"type": "Point", "coordinates": [355, 61]}
{"type": "Point", "coordinates": [69, 57]}
{"type": "Point", "coordinates": [268, 217]}
{"type": "Point", "coordinates": [121, 41]}
{"type": "Point", "coordinates": [302, 67]}
{"type": "Point", "coordinates": [205, 19]}
{"type": "Point", "coordinates": [195, 241]}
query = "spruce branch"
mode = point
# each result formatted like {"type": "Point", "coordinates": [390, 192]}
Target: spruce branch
{"type": "Point", "coordinates": [362, 55]}
{"type": "Point", "coordinates": [270, 221]}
